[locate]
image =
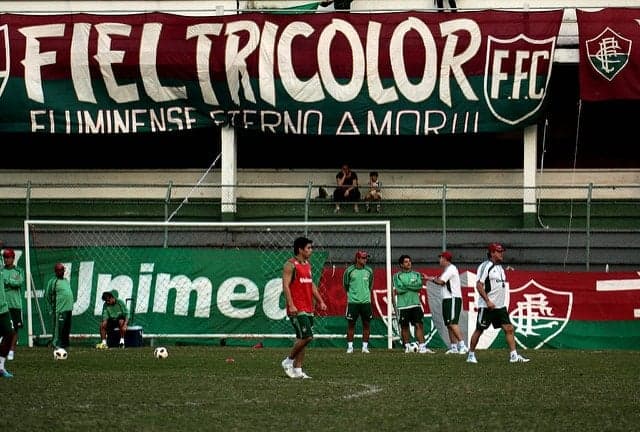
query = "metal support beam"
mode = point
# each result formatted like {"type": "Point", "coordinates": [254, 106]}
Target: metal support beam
{"type": "Point", "coordinates": [529, 176]}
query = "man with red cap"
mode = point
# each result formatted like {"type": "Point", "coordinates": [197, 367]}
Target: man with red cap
{"type": "Point", "coordinates": [60, 297]}
{"type": "Point", "coordinates": [357, 281]}
{"type": "Point", "coordinates": [449, 280]}
{"type": "Point", "coordinates": [492, 289]}
{"type": "Point", "coordinates": [13, 286]}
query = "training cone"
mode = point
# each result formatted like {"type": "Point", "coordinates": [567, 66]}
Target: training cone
{"type": "Point", "coordinates": [258, 345]}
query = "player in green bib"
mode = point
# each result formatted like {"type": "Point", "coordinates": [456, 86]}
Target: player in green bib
{"type": "Point", "coordinates": [408, 284]}
{"type": "Point", "coordinates": [13, 286]}
{"type": "Point", "coordinates": [6, 331]}
{"type": "Point", "coordinates": [60, 298]}
{"type": "Point", "coordinates": [358, 282]}
{"type": "Point", "coordinates": [115, 314]}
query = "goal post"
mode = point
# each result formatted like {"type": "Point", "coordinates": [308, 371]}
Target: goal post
{"type": "Point", "coordinates": [193, 282]}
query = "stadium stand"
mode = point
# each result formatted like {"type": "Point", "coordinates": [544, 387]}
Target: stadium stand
{"type": "Point", "coordinates": [585, 199]}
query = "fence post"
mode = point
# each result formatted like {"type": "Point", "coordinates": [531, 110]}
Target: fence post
{"type": "Point", "coordinates": [307, 201]}
{"type": "Point", "coordinates": [167, 200]}
{"type": "Point", "coordinates": [444, 217]}
{"type": "Point", "coordinates": [588, 223]}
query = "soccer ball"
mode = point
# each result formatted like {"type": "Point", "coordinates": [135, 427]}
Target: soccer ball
{"type": "Point", "coordinates": [160, 353]}
{"type": "Point", "coordinates": [414, 347]}
{"type": "Point", "coordinates": [60, 354]}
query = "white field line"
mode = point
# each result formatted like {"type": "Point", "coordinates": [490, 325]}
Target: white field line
{"type": "Point", "coordinates": [370, 389]}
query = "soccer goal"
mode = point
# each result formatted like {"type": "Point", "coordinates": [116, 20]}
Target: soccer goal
{"type": "Point", "coordinates": [203, 282]}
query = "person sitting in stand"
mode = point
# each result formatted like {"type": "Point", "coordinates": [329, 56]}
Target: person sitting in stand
{"type": "Point", "coordinates": [347, 188]}
{"type": "Point", "coordinates": [374, 191]}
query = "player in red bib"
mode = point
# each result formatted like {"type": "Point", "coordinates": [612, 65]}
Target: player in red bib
{"type": "Point", "coordinates": [299, 292]}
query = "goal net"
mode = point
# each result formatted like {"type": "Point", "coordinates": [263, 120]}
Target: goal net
{"type": "Point", "coordinates": [209, 283]}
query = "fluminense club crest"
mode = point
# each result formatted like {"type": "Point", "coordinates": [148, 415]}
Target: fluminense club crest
{"type": "Point", "coordinates": [608, 53]}
{"type": "Point", "coordinates": [538, 313]}
{"type": "Point", "coordinates": [5, 59]}
{"type": "Point", "coordinates": [517, 73]}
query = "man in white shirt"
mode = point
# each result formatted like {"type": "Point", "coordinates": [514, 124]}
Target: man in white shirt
{"type": "Point", "coordinates": [492, 307]}
{"type": "Point", "coordinates": [451, 302]}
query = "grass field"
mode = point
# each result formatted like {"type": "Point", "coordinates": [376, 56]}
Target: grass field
{"type": "Point", "coordinates": [196, 389]}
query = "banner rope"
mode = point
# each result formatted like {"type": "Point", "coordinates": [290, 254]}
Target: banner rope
{"type": "Point", "coordinates": [186, 198]}
{"type": "Point", "coordinates": [573, 176]}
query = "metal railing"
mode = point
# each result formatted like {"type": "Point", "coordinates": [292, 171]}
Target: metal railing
{"type": "Point", "coordinates": [578, 215]}
{"type": "Point", "coordinates": [307, 198]}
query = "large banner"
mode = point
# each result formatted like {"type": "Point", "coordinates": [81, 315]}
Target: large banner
{"type": "Point", "coordinates": [191, 292]}
{"type": "Point", "coordinates": [404, 73]}
{"type": "Point", "coordinates": [609, 54]}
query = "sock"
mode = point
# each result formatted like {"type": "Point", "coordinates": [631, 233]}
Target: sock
{"type": "Point", "coordinates": [454, 347]}
{"type": "Point", "coordinates": [461, 345]}
{"type": "Point", "coordinates": [514, 353]}
{"type": "Point", "coordinates": [2, 359]}
{"type": "Point", "coordinates": [104, 341]}
{"type": "Point", "coordinates": [472, 353]}
{"type": "Point", "coordinates": [365, 345]}
{"type": "Point", "coordinates": [422, 345]}
{"type": "Point", "coordinates": [350, 345]}
{"type": "Point", "coordinates": [298, 371]}
{"type": "Point", "coordinates": [121, 340]}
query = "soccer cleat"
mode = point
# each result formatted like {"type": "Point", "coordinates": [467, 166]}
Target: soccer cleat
{"type": "Point", "coordinates": [463, 350]}
{"type": "Point", "coordinates": [452, 351]}
{"type": "Point", "coordinates": [425, 350]}
{"type": "Point", "coordinates": [5, 374]}
{"type": "Point", "coordinates": [472, 359]}
{"type": "Point", "coordinates": [350, 350]}
{"type": "Point", "coordinates": [518, 359]}
{"type": "Point", "coordinates": [122, 345]}
{"type": "Point", "coordinates": [10, 355]}
{"type": "Point", "coordinates": [287, 365]}
{"type": "Point", "coordinates": [291, 373]}
{"type": "Point", "coordinates": [366, 351]}
{"type": "Point", "coordinates": [298, 375]}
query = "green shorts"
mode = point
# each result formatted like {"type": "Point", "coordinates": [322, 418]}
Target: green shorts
{"type": "Point", "coordinates": [355, 310]}
{"type": "Point", "coordinates": [413, 315]}
{"type": "Point", "coordinates": [495, 317]}
{"type": "Point", "coordinates": [451, 308]}
{"type": "Point", "coordinates": [303, 325]}
{"type": "Point", "coordinates": [6, 325]}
